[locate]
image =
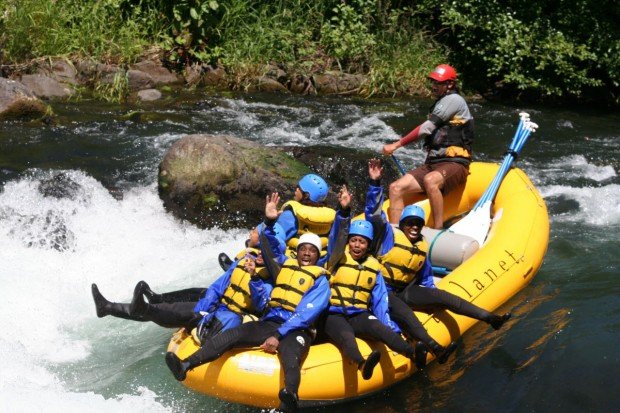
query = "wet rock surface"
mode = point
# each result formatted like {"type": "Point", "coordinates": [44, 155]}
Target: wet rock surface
{"type": "Point", "coordinates": [222, 181]}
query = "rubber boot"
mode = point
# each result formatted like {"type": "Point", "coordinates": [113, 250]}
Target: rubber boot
{"type": "Point", "coordinates": [138, 306]}
{"type": "Point", "coordinates": [224, 261]}
{"type": "Point", "coordinates": [177, 367]}
{"type": "Point", "coordinates": [368, 366]}
{"type": "Point", "coordinates": [105, 307]}
{"type": "Point", "coordinates": [420, 353]}
{"type": "Point", "coordinates": [288, 401]}
{"type": "Point", "coordinates": [143, 288]}
{"type": "Point", "coordinates": [442, 353]}
{"type": "Point", "coordinates": [497, 321]}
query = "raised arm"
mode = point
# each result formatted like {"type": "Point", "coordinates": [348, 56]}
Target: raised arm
{"type": "Point", "coordinates": [373, 210]}
{"type": "Point", "coordinates": [340, 230]}
{"type": "Point", "coordinates": [270, 247]}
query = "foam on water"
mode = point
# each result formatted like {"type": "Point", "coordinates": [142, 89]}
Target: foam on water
{"type": "Point", "coordinates": [597, 206]}
{"type": "Point", "coordinates": [577, 166]}
{"type": "Point", "coordinates": [52, 248]}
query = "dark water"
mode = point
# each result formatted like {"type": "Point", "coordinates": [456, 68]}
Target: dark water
{"type": "Point", "coordinates": [78, 205]}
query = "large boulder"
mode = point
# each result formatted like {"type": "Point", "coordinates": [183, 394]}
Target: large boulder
{"type": "Point", "coordinates": [222, 180]}
{"type": "Point", "coordinates": [46, 87]}
{"type": "Point", "coordinates": [17, 101]}
{"type": "Point", "coordinates": [157, 72]}
{"type": "Point", "coordinates": [337, 83]}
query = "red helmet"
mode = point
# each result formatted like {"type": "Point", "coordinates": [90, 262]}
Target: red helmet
{"type": "Point", "coordinates": [442, 73]}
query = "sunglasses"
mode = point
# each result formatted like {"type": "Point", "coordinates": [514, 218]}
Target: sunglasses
{"type": "Point", "coordinates": [412, 222]}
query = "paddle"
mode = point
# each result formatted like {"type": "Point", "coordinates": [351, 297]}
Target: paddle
{"type": "Point", "coordinates": [476, 224]}
{"type": "Point", "coordinates": [399, 165]}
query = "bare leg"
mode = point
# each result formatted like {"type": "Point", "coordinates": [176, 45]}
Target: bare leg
{"type": "Point", "coordinates": [398, 190]}
{"type": "Point", "coordinates": [433, 182]}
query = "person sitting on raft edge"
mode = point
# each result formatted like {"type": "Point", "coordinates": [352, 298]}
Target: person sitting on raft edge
{"type": "Point", "coordinates": [217, 308]}
{"type": "Point", "coordinates": [290, 313]}
{"type": "Point", "coordinates": [408, 272]}
{"type": "Point", "coordinates": [307, 212]}
{"type": "Point", "coordinates": [448, 138]}
{"type": "Point", "coordinates": [359, 300]}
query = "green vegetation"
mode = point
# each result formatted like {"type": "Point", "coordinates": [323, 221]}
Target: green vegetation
{"type": "Point", "coordinates": [563, 48]}
{"type": "Point", "coordinates": [105, 29]}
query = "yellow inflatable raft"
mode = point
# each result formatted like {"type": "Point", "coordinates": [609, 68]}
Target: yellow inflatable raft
{"type": "Point", "coordinates": [509, 259]}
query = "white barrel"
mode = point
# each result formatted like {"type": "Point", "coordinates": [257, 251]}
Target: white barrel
{"type": "Point", "coordinates": [447, 249]}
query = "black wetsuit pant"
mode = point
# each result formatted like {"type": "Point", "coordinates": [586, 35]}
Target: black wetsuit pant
{"type": "Point", "coordinates": [342, 330]}
{"type": "Point", "coordinates": [429, 300]}
{"type": "Point", "coordinates": [186, 295]}
{"type": "Point", "coordinates": [174, 309]}
{"type": "Point", "coordinates": [172, 315]}
{"type": "Point", "coordinates": [292, 350]}
{"type": "Point", "coordinates": [401, 314]}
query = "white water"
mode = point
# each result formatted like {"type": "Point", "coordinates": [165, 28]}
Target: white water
{"type": "Point", "coordinates": [46, 300]}
{"type": "Point", "coordinates": [51, 250]}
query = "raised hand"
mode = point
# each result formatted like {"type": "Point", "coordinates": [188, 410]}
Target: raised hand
{"type": "Point", "coordinates": [271, 205]}
{"type": "Point", "coordinates": [344, 197]}
{"type": "Point", "coordinates": [375, 169]}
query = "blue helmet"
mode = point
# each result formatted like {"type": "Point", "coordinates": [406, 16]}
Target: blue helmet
{"type": "Point", "coordinates": [412, 211]}
{"type": "Point", "coordinates": [361, 227]}
{"type": "Point", "coordinates": [315, 186]}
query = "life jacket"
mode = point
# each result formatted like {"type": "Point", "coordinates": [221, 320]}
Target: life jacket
{"type": "Point", "coordinates": [292, 283]}
{"type": "Point", "coordinates": [402, 263]}
{"type": "Point", "coordinates": [237, 295]}
{"type": "Point", "coordinates": [452, 140]}
{"type": "Point", "coordinates": [315, 219]}
{"type": "Point", "coordinates": [352, 282]}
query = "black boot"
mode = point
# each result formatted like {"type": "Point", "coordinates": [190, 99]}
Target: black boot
{"type": "Point", "coordinates": [101, 303]}
{"type": "Point", "coordinates": [442, 353]}
{"type": "Point", "coordinates": [151, 295]}
{"type": "Point", "coordinates": [225, 261]}
{"type": "Point", "coordinates": [288, 401]}
{"type": "Point", "coordinates": [420, 353]}
{"type": "Point", "coordinates": [497, 321]}
{"type": "Point", "coordinates": [368, 366]}
{"type": "Point", "coordinates": [138, 306]}
{"type": "Point", "coordinates": [105, 307]}
{"type": "Point", "coordinates": [177, 367]}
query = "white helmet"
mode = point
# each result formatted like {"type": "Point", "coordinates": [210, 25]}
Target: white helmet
{"type": "Point", "coordinates": [312, 239]}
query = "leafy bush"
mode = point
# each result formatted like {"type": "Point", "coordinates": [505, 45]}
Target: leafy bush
{"type": "Point", "coordinates": [546, 48]}
{"type": "Point", "coordinates": [35, 28]}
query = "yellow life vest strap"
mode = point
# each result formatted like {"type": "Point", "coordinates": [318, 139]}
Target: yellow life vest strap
{"type": "Point", "coordinates": [287, 305]}
{"type": "Point", "coordinates": [288, 287]}
{"type": "Point", "coordinates": [359, 267]}
{"type": "Point", "coordinates": [301, 269]}
{"type": "Point", "coordinates": [233, 306]}
{"type": "Point", "coordinates": [412, 249]}
{"type": "Point", "coordinates": [390, 280]}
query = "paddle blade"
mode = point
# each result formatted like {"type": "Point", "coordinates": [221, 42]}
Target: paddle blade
{"type": "Point", "coordinates": [476, 224]}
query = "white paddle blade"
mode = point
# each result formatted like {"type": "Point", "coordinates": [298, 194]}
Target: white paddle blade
{"type": "Point", "coordinates": [524, 116]}
{"type": "Point", "coordinates": [476, 224]}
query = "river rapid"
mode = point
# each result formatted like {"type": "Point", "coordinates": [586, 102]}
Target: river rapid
{"type": "Point", "coordinates": [79, 204]}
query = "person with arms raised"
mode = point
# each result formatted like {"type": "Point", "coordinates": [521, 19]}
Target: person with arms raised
{"type": "Point", "coordinates": [299, 295]}
{"type": "Point", "coordinates": [359, 301]}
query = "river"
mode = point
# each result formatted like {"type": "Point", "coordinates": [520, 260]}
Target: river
{"type": "Point", "coordinates": [558, 353]}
